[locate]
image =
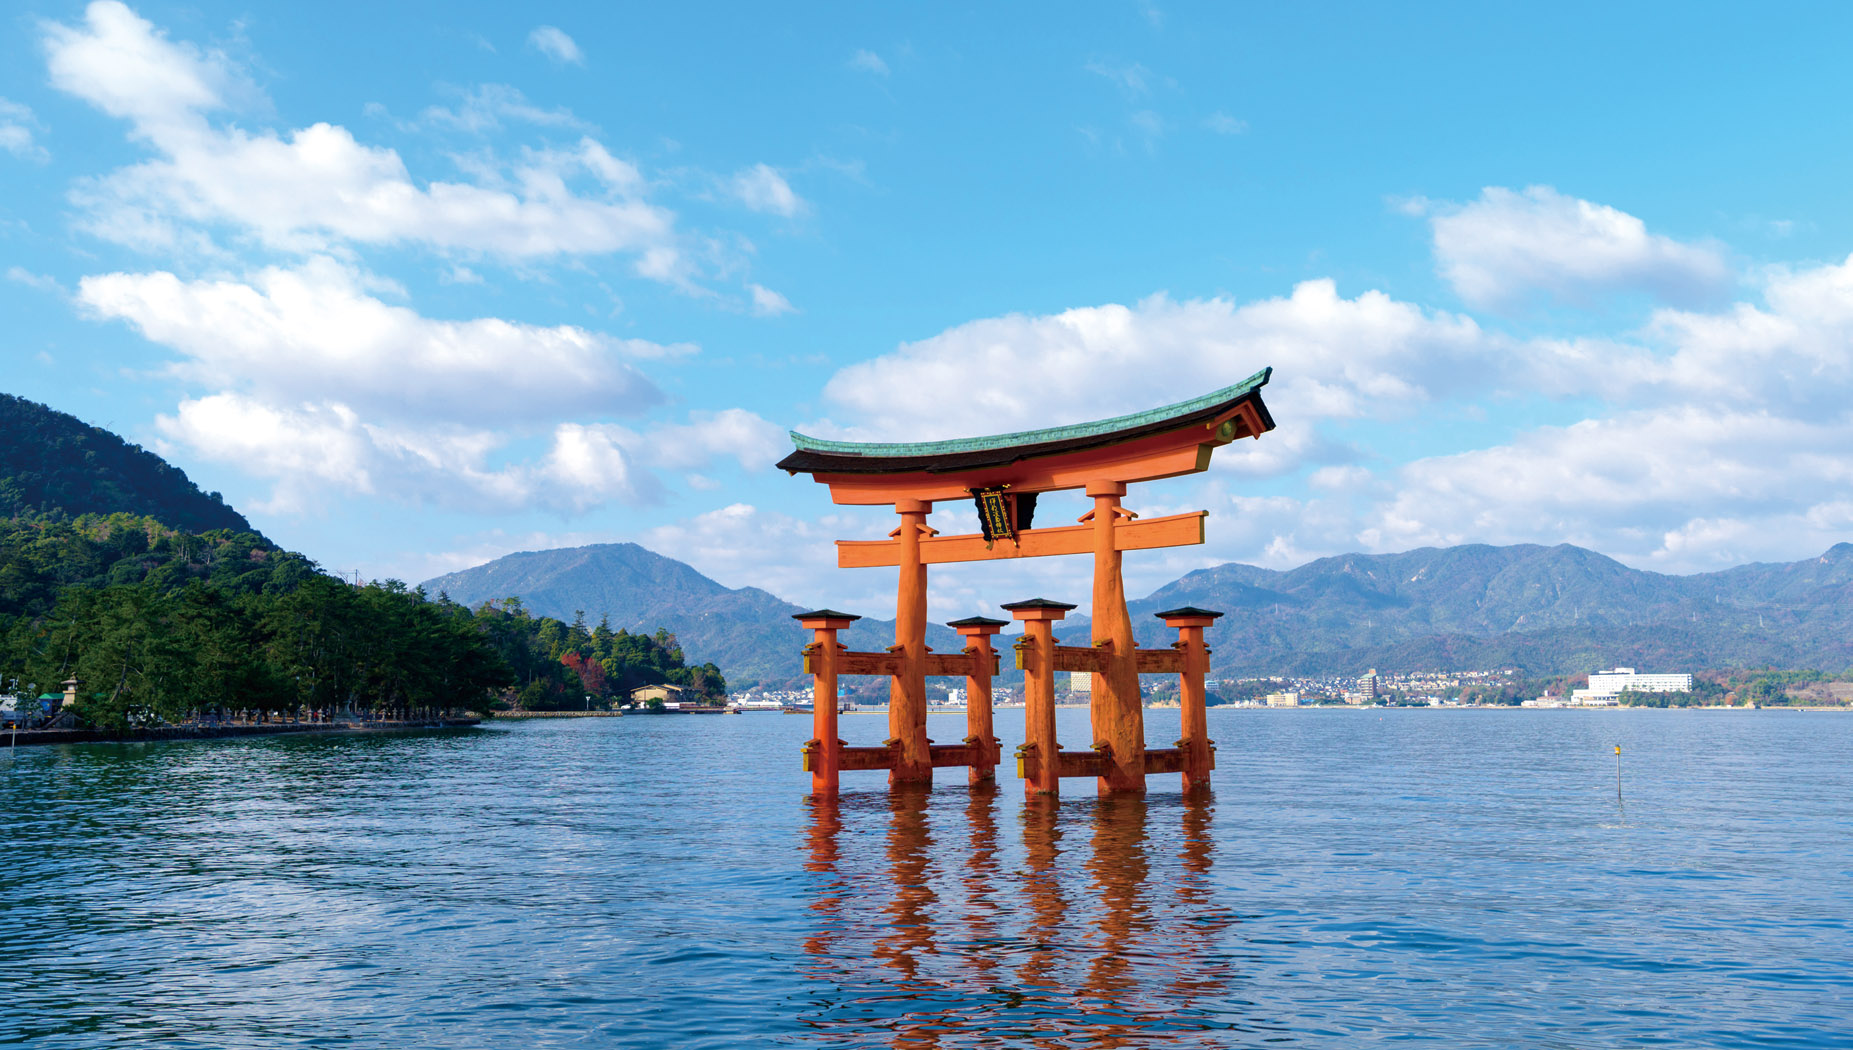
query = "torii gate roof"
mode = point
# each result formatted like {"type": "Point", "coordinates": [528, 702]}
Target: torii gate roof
{"type": "Point", "coordinates": [1160, 442]}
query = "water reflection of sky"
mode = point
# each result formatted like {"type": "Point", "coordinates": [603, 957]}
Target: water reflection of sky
{"type": "Point", "coordinates": [1357, 879]}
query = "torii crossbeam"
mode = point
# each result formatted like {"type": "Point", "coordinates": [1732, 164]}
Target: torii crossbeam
{"type": "Point", "coordinates": [1003, 475]}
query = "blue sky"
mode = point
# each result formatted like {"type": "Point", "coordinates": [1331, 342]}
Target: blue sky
{"type": "Point", "coordinates": [418, 285]}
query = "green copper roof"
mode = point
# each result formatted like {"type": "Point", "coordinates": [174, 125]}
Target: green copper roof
{"type": "Point", "coordinates": [805, 443]}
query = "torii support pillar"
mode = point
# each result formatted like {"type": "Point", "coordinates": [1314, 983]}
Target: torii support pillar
{"type": "Point", "coordinates": [1040, 756]}
{"type": "Point", "coordinates": [1199, 750]}
{"type": "Point", "coordinates": [979, 735]}
{"type": "Point", "coordinates": [823, 755]}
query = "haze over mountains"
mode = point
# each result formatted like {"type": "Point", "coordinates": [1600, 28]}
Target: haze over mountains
{"type": "Point", "coordinates": [1545, 610]}
{"type": "Point", "coordinates": [749, 633]}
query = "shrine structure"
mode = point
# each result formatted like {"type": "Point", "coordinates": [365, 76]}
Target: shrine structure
{"type": "Point", "coordinates": [1003, 475]}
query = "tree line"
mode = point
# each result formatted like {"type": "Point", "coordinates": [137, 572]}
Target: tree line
{"type": "Point", "coordinates": [159, 624]}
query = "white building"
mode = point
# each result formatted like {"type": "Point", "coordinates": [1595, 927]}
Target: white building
{"type": "Point", "coordinates": [1287, 699]}
{"type": "Point", "coordinates": [1606, 687]}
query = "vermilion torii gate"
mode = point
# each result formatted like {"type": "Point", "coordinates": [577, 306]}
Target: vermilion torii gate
{"type": "Point", "coordinates": [1003, 475]}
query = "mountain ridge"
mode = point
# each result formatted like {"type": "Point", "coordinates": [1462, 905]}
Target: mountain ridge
{"type": "Point", "coordinates": [1543, 609]}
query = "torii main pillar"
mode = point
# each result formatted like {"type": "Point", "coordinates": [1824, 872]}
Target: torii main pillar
{"type": "Point", "coordinates": [907, 706]}
{"type": "Point", "coordinates": [1117, 714]}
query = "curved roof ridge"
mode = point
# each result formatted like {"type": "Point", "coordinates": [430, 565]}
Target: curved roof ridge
{"type": "Point", "coordinates": [806, 443]}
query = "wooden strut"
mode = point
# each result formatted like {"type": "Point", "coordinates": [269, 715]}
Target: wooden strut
{"type": "Point", "coordinates": [1040, 658]}
{"type": "Point", "coordinates": [826, 756]}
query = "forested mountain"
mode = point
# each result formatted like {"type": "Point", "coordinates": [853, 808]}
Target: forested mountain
{"type": "Point", "coordinates": [52, 464]}
{"type": "Point", "coordinates": [745, 630]}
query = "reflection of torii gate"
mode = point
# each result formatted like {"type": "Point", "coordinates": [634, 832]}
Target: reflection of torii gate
{"type": "Point", "coordinates": [1004, 475]}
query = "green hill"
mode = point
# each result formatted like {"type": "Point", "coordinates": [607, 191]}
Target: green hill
{"type": "Point", "coordinates": [55, 464]}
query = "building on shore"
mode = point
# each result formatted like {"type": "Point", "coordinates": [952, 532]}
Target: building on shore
{"type": "Point", "coordinates": [666, 693]}
{"type": "Point", "coordinates": [1286, 699]}
{"type": "Point", "coordinates": [1606, 687]}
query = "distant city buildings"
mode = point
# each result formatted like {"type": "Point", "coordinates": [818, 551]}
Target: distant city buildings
{"type": "Point", "coordinates": [1286, 699]}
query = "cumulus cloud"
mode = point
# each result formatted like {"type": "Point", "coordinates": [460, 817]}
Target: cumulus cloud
{"type": "Point", "coordinates": [1337, 358]}
{"type": "Point", "coordinates": [318, 187]}
{"type": "Point", "coordinates": [595, 462]}
{"type": "Point", "coordinates": [309, 450]}
{"type": "Point", "coordinates": [1725, 440]}
{"type": "Point", "coordinates": [1509, 248]}
{"type": "Point", "coordinates": [326, 387]}
{"type": "Point", "coordinates": [868, 62]}
{"type": "Point", "coordinates": [555, 44]}
{"type": "Point", "coordinates": [762, 188]}
{"type": "Point", "coordinates": [1683, 487]}
{"type": "Point", "coordinates": [315, 331]}
{"type": "Point", "coordinates": [16, 130]}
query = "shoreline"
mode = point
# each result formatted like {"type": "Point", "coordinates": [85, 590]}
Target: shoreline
{"type": "Point", "coordinates": [42, 737]}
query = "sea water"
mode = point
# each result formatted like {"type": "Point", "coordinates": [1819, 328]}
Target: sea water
{"type": "Point", "coordinates": [1357, 878]}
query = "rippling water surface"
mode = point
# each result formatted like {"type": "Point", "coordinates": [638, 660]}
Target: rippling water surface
{"type": "Point", "coordinates": [1359, 878]}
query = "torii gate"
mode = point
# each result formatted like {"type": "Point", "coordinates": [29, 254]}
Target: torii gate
{"type": "Point", "coordinates": [1004, 474]}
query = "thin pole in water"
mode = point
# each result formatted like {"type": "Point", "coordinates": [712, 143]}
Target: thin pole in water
{"type": "Point", "coordinates": [1618, 773]}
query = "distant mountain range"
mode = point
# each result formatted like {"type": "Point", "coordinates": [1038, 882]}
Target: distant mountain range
{"type": "Point", "coordinates": [1544, 610]}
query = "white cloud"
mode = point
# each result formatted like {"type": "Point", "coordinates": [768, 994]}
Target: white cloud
{"type": "Point", "coordinates": [318, 187]}
{"type": "Point", "coordinates": [313, 332]}
{"type": "Point", "coordinates": [487, 107]}
{"type": "Point", "coordinates": [40, 282]}
{"type": "Point", "coordinates": [1683, 488]}
{"type": "Point", "coordinates": [310, 449]}
{"type": "Point", "coordinates": [555, 44]}
{"type": "Point", "coordinates": [123, 65]}
{"type": "Point", "coordinates": [1509, 248]}
{"type": "Point", "coordinates": [762, 188]}
{"type": "Point", "coordinates": [1726, 441]}
{"type": "Point", "coordinates": [1336, 359]}
{"type": "Point", "coordinates": [768, 303]}
{"type": "Point", "coordinates": [16, 127]}
{"type": "Point", "coordinates": [595, 462]}
{"type": "Point", "coordinates": [1134, 80]}
{"type": "Point", "coordinates": [793, 558]}
{"type": "Point", "coordinates": [326, 388]}
{"type": "Point", "coordinates": [868, 62]}
{"type": "Point", "coordinates": [1224, 124]}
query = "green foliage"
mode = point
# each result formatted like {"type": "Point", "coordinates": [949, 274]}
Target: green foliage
{"type": "Point", "coordinates": [557, 665]}
{"type": "Point", "coordinates": [53, 465]}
